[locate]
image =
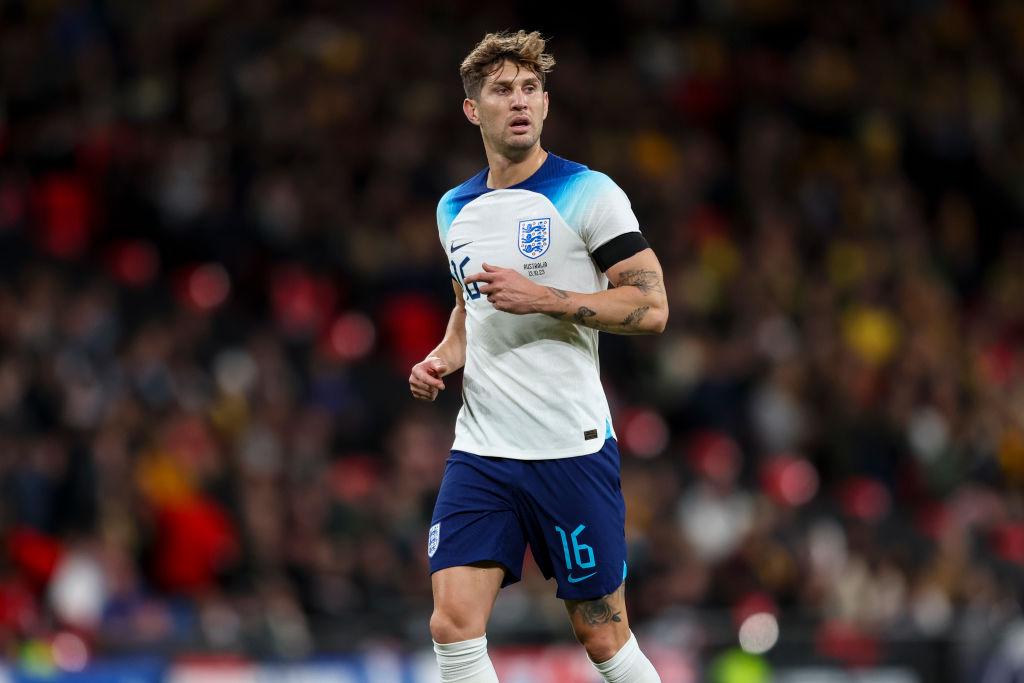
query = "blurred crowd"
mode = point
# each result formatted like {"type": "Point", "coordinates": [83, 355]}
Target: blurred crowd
{"type": "Point", "coordinates": [218, 260]}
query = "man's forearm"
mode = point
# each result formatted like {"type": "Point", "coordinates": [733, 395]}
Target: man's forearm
{"type": "Point", "coordinates": [636, 305]}
{"type": "Point", "coordinates": [627, 309]}
{"type": "Point", "coordinates": [452, 349]}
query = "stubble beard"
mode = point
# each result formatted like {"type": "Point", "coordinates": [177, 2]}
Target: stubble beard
{"type": "Point", "coordinates": [515, 147]}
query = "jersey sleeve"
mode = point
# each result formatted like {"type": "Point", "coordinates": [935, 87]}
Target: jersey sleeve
{"type": "Point", "coordinates": [446, 213]}
{"type": "Point", "coordinates": [600, 210]}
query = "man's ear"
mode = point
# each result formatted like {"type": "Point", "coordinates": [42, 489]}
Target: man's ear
{"type": "Point", "coordinates": [469, 109]}
{"type": "Point", "coordinates": [545, 104]}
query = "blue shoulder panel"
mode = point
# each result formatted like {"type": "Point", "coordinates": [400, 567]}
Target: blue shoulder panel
{"type": "Point", "coordinates": [569, 186]}
{"type": "Point", "coordinates": [456, 198]}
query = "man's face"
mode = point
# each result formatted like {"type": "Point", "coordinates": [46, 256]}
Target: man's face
{"type": "Point", "coordinates": [510, 110]}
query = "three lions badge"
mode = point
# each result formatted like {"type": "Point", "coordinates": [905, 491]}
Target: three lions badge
{"type": "Point", "coordinates": [433, 538]}
{"type": "Point", "coordinates": [534, 237]}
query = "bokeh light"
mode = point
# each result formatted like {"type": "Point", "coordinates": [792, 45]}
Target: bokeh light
{"type": "Point", "coordinates": [134, 263]}
{"type": "Point", "coordinates": [204, 287]}
{"type": "Point", "coordinates": [643, 432]}
{"type": "Point", "coordinates": [759, 633]}
{"type": "Point", "coordinates": [865, 498]}
{"type": "Point", "coordinates": [351, 336]}
{"type": "Point", "coordinates": [69, 651]}
{"type": "Point", "coordinates": [789, 480]}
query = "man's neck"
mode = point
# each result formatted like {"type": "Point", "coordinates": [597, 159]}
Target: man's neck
{"type": "Point", "coordinates": [505, 172]}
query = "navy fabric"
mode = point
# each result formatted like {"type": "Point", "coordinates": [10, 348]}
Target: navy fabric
{"type": "Point", "coordinates": [569, 511]}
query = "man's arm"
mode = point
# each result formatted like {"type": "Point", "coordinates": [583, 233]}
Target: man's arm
{"type": "Point", "coordinates": [450, 355]}
{"type": "Point", "coordinates": [635, 305]}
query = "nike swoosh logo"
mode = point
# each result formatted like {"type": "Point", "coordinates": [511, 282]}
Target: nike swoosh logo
{"type": "Point", "coordinates": [572, 580]}
{"type": "Point", "coordinates": [464, 244]}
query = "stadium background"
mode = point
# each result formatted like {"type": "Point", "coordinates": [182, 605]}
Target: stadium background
{"type": "Point", "coordinates": [218, 260]}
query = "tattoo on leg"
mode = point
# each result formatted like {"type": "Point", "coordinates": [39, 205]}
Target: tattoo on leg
{"type": "Point", "coordinates": [594, 612]}
{"type": "Point", "coordinates": [582, 314]}
{"type": "Point", "coordinates": [645, 280]}
{"type": "Point", "coordinates": [635, 317]}
{"type": "Point", "coordinates": [560, 293]}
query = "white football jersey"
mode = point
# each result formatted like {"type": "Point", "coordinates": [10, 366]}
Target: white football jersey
{"type": "Point", "coordinates": [531, 384]}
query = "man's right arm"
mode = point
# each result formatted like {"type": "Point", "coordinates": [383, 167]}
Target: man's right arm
{"type": "Point", "coordinates": [446, 358]}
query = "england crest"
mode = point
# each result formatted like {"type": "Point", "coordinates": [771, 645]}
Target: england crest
{"type": "Point", "coordinates": [433, 538]}
{"type": "Point", "coordinates": [534, 236]}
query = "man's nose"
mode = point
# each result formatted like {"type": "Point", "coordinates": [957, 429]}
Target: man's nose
{"type": "Point", "coordinates": [518, 99]}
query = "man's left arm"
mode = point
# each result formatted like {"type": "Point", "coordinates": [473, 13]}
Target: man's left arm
{"type": "Point", "coordinates": [636, 303]}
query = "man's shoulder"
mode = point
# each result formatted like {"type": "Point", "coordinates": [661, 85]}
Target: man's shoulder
{"type": "Point", "coordinates": [453, 200]}
{"type": "Point", "coordinates": [559, 166]}
{"type": "Point", "coordinates": [469, 189]}
{"type": "Point", "coordinates": [576, 182]}
{"type": "Point", "coordinates": [570, 173]}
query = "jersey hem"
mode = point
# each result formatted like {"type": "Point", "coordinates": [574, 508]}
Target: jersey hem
{"type": "Point", "coordinates": [514, 454]}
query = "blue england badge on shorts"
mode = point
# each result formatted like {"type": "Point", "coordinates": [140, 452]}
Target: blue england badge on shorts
{"type": "Point", "coordinates": [432, 539]}
{"type": "Point", "coordinates": [534, 236]}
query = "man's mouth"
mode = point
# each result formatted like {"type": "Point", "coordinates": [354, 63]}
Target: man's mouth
{"type": "Point", "coordinates": [520, 124]}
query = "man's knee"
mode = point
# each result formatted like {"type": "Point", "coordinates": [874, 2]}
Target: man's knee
{"type": "Point", "coordinates": [600, 624]}
{"type": "Point", "coordinates": [601, 644]}
{"type": "Point", "coordinates": [446, 626]}
{"type": "Point", "coordinates": [463, 598]}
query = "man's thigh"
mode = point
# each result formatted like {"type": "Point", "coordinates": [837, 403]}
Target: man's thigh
{"type": "Point", "coordinates": [465, 595]}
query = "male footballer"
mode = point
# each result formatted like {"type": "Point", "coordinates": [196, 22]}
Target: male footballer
{"type": "Point", "coordinates": [533, 242]}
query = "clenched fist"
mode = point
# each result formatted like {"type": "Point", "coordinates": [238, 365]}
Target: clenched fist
{"type": "Point", "coordinates": [425, 378]}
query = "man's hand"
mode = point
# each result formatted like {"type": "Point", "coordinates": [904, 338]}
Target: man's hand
{"type": "Point", "coordinates": [425, 379]}
{"type": "Point", "coordinates": [508, 290]}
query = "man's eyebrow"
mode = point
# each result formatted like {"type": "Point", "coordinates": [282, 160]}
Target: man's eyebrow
{"type": "Point", "coordinates": [529, 80]}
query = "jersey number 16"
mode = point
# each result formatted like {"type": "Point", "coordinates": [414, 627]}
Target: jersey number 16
{"type": "Point", "coordinates": [459, 273]}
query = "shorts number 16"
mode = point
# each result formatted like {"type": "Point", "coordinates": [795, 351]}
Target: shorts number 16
{"type": "Point", "coordinates": [577, 549]}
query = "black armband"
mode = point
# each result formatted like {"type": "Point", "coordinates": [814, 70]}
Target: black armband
{"type": "Point", "coordinates": [619, 248]}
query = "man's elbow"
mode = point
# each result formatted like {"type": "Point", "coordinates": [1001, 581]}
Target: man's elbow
{"type": "Point", "coordinates": [657, 321]}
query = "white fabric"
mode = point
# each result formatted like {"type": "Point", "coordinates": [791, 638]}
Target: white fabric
{"type": "Point", "coordinates": [629, 665]}
{"type": "Point", "coordinates": [465, 661]}
{"type": "Point", "coordinates": [531, 384]}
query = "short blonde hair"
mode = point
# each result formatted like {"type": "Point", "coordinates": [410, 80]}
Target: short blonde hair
{"type": "Point", "coordinates": [521, 48]}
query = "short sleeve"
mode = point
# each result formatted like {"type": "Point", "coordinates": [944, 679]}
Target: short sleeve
{"type": "Point", "coordinates": [597, 209]}
{"type": "Point", "coordinates": [446, 213]}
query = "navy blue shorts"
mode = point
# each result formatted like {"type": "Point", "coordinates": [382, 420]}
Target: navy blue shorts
{"type": "Point", "coordinates": [569, 511]}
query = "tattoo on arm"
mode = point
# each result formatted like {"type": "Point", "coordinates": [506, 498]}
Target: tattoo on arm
{"type": "Point", "coordinates": [563, 295]}
{"type": "Point", "coordinates": [646, 281]}
{"type": "Point", "coordinates": [593, 612]}
{"type": "Point", "coordinates": [635, 317]}
{"type": "Point", "coordinates": [560, 293]}
{"type": "Point", "coordinates": [581, 315]}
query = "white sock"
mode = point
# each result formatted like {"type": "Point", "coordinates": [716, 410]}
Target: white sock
{"type": "Point", "coordinates": [629, 665]}
{"type": "Point", "coordinates": [465, 661]}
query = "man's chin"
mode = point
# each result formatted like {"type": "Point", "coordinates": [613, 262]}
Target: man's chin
{"type": "Point", "coordinates": [520, 142]}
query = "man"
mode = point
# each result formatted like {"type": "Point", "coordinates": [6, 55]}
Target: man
{"type": "Point", "coordinates": [532, 242]}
